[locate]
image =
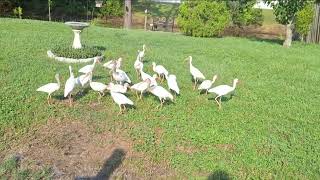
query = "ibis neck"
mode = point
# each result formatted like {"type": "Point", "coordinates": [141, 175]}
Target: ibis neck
{"type": "Point", "coordinates": [58, 80]}
{"type": "Point", "coordinates": [234, 85]}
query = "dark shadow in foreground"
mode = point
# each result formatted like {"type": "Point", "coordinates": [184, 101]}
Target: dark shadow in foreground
{"type": "Point", "coordinates": [110, 165]}
{"type": "Point", "coordinates": [219, 175]}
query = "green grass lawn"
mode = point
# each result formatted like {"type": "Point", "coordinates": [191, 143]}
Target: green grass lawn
{"type": "Point", "coordinates": [270, 129]}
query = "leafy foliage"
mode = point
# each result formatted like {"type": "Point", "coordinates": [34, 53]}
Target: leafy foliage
{"type": "Point", "coordinates": [69, 52]}
{"type": "Point", "coordinates": [286, 10]}
{"type": "Point", "coordinates": [18, 12]}
{"type": "Point", "coordinates": [304, 19]}
{"type": "Point", "coordinates": [112, 8]}
{"type": "Point", "coordinates": [243, 13]}
{"type": "Point", "coordinates": [203, 19]}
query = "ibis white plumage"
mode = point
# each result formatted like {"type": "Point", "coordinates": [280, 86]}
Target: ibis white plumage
{"type": "Point", "coordinates": [138, 64]}
{"type": "Point", "coordinates": [118, 87]}
{"type": "Point", "coordinates": [160, 70]}
{"type": "Point", "coordinates": [172, 83]}
{"type": "Point", "coordinates": [97, 86]}
{"type": "Point", "coordinates": [145, 76]}
{"type": "Point", "coordinates": [207, 84]}
{"type": "Point", "coordinates": [161, 93]}
{"type": "Point", "coordinates": [50, 88]}
{"type": "Point", "coordinates": [142, 53]}
{"type": "Point", "coordinates": [121, 100]}
{"type": "Point", "coordinates": [69, 86]}
{"type": "Point", "coordinates": [111, 63]}
{"type": "Point", "coordinates": [89, 68]}
{"type": "Point", "coordinates": [196, 73]}
{"type": "Point", "coordinates": [141, 87]}
{"type": "Point", "coordinates": [223, 90]}
{"type": "Point", "coordinates": [120, 76]}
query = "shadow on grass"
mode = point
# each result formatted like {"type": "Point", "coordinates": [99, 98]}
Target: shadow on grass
{"type": "Point", "coordinates": [219, 175]}
{"type": "Point", "coordinates": [223, 98]}
{"type": "Point", "coordinates": [110, 165]}
{"type": "Point", "coordinates": [271, 41]}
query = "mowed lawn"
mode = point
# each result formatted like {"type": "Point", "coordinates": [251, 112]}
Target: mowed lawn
{"type": "Point", "coordinates": [270, 129]}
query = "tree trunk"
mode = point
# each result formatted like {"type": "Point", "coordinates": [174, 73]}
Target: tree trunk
{"type": "Point", "coordinates": [127, 14]}
{"type": "Point", "coordinates": [314, 34]}
{"type": "Point", "coordinates": [288, 41]}
{"type": "Point", "coordinates": [49, 5]}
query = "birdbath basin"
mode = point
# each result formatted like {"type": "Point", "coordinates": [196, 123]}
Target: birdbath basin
{"type": "Point", "coordinates": [77, 27]}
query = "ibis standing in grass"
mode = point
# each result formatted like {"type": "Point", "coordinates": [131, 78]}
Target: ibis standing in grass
{"type": "Point", "coordinates": [207, 84]}
{"type": "Point", "coordinates": [160, 70]}
{"type": "Point", "coordinates": [161, 93]}
{"type": "Point", "coordinates": [120, 76]}
{"type": "Point", "coordinates": [196, 73]}
{"type": "Point", "coordinates": [141, 87]}
{"type": "Point", "coordinates": [172, 84]}
{"type": "Point", "coordinates": [121, 100]}
{"type": "Point", "coordinates": [50, 88]}
{"type": "Point", "coordinates": [138, 64]}
{"type": "Point", "coordinates": [223, 90]}
{"type": "Point", "coordinates": [142, 53]}
{"type": "Point", "coordinates": [69, 86]}
{"type": "Point", "coordinates": [97, 86]}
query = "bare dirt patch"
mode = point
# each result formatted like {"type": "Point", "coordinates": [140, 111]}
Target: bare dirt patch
{"type": "Point", "coordinates": [74, 151]}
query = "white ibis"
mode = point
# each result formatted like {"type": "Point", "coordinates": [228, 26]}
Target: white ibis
{"type": "Point", "coordinates": [172, 83]}
{"type": "Point", "coordinates": [120, 76]}
{"type": "Point", "coordinates": [97, 86]}
{"type": "Point", "coordinates": [223, 90]}
{"type": "Point", "coordinates": [161, 93]}
{"type": "Point", "coordinates": [145, 76]}
{"type": "Point", "coordinates": [160, 70]}
{"type": "Point", "coordinates": [69, 86]}
{"type": "Point", "coordinates": [111, 63]}
{"type": "Point", "coordinates": [143, 52]}
{"type": "Point", "coordinates": [196, 73]}
{"type": "Point", "coordinates": [207, 84]}
{"type": "Point", "coordinates": [50, 88]}
{"type": "Point", "coordinates": [118, 87]}
{"type": "Point", "coordinates": [89, 68]}
{"type": "Point", "coordinates": [121, 100]}
{"type": "Point", "coordinates": [141, 87]}
{"type": "Point", "coordinates": [138, 65]}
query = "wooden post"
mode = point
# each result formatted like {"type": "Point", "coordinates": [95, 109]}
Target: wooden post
{"type": "Point", "coordinates": [127, 14]}
{"type": "Point", "coordinates": [145, 19]}
{"type": "Point", "coordinates": [314, 34]}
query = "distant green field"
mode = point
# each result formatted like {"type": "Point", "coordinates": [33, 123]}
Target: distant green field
{"type": "Point", "coordinates": [269, 130]}
{"type": "Point", "coordinates": [269, 18]}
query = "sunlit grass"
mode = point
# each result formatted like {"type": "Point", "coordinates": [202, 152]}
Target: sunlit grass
{"type": "Point", "coordinates": [268, 130]}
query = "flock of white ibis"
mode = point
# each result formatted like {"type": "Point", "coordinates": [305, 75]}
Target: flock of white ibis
{"type": "Point", "coordinates": [121, 83]}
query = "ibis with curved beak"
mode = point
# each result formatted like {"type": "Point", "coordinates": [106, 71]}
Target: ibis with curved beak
{"type": "Point", "coordinates": [223, 90]}
{"type": "Point", "coordinates": [50, 88]}
{"type": "Point", "coordinates": [195, 72]}
{"type": "Point", "coordinates": [207, 84]}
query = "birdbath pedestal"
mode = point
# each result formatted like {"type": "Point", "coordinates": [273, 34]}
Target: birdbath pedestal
{"type": "Point", "coordinates": [77, 27]}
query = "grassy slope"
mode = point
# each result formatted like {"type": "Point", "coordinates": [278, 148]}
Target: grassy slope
{"type": "Point", "coordinates": [269, 129]}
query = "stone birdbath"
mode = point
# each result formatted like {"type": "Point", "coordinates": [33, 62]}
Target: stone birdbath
{"type": "Point", "coordinates": [77, 27]}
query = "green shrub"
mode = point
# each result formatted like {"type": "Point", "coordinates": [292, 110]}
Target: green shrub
{"type": "Point", "coordinates": [243, 13]}
{"type": "Point", "coordinates": [203, 19]}
{"type": "Point", "coordinates": [69, 52]}
{"type": "Point", "coordinates": [304, 20]}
